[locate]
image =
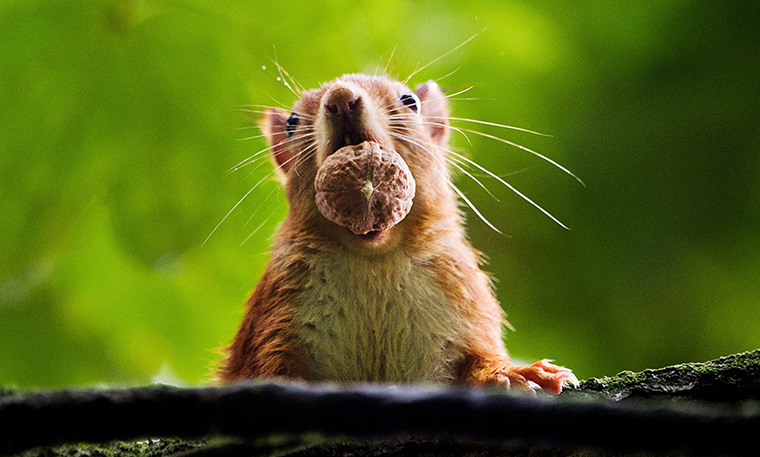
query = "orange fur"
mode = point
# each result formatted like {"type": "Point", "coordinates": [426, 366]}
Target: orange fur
{"type": "Point", "coordinates": [266, 345]}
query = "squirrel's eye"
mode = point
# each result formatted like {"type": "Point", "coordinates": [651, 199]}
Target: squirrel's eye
{"type": "Point", "coordinates": [291, 124]}
{"type": "Point", "coordinates": [411, 101]}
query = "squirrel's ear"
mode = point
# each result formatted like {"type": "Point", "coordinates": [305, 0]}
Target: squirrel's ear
{"type": "Point", "coordinates": [435, 109]}
{"type": "Point", "coordinates": [273, 125]}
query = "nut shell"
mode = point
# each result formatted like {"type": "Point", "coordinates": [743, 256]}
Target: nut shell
{"type": "Point", "coordinates": [364, 187]}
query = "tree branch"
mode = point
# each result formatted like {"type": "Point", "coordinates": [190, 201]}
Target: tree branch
{"type": "Point", "coordinates": [581, 417]}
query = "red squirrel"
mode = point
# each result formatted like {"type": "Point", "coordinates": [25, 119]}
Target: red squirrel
{"type": "Point", "coordinates": [394, 301]}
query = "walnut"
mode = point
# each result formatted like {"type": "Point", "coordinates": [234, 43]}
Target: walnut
{"type": "Point", "coordinates": [365, 187]}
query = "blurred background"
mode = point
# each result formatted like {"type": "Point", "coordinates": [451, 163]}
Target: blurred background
{"type": "Point", "coordinates": [119, 121]}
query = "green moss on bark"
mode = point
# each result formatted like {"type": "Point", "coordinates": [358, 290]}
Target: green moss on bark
{"type": "Point", "coordinates": [728, 379]}
{"type": "Point", "coordinates": [146, 448]}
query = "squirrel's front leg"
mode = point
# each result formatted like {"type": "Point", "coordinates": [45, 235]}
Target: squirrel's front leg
{"type": "Point", "coordinates": [266, 345]}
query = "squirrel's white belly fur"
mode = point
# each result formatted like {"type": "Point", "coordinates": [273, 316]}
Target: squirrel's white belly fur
{"type": "Point", "coordinates": [379, 319]}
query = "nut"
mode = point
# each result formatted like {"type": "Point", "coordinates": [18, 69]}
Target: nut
{"type": "Point", "coordinates": [365, 188]}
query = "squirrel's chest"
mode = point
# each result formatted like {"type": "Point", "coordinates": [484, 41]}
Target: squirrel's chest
{"type": "Point", "coordinates": [364, 320]}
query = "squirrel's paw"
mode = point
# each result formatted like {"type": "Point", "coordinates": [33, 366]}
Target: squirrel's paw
{"type": "Point", "coordinates": [543, 374]}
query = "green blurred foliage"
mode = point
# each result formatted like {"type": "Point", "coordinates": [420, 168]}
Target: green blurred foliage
{"type": "Point", "coordinates": [119, 120]}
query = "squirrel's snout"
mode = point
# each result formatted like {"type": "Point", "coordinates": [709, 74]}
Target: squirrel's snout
{"type": "Point", "coordinates": [348, 116]}
{"type": "Point", "coordinates": [342, 100]}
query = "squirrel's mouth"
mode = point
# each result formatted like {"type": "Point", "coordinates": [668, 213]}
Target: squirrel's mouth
{"type": "Point", "coordinates": [347, 137]}
{"type": "Point", "coordinates": [373, 235]}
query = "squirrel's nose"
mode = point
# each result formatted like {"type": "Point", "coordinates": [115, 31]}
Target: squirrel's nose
{"type": "Point", "coordinates": [341, 100]}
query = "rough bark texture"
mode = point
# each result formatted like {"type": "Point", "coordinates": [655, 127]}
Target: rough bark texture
{"type": "Point", "coordinates": [710, 408]}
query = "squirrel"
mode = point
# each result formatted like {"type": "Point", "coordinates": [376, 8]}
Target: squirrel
{"type": "Point", "coordinates": [397, 298]}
